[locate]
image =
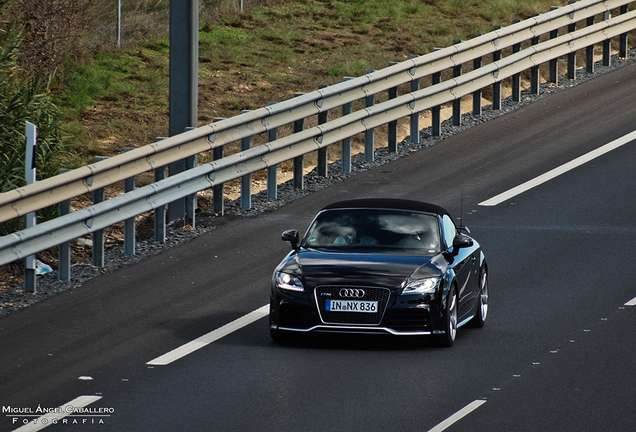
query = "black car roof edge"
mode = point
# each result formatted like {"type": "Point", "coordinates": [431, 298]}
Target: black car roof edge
{"type": "Point", "coordinates": [388, 203]}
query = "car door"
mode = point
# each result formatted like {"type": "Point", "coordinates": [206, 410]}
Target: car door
{"type": "Point", "coordinates": [464, 263]}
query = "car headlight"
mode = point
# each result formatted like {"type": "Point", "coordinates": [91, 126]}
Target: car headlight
{"type": "Point", "coordinates": [288, 282]}
{"type": "Point", "coordinates": [420, 286]}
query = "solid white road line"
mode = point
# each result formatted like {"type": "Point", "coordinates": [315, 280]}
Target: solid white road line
{"type": "Point", "coordinates": [458, 415]}
{"type": "Point", "coordinates": [560, 170]}
{"type": "Point", "coordinates": [632, 302]}
{"type": "Point", "coordinates": [68, 409]}
{"type": "Point", "coordinates": [207, 339]}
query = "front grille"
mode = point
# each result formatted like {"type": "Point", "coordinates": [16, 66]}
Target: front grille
{"type": "Point", "coordinates": [324, 293]}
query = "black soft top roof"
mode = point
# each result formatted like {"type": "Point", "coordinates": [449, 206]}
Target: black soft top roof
{"type": "Point", "coordinates": [388, 203]}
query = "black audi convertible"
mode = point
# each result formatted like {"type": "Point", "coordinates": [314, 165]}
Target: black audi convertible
{"type": "Point", "coordinates": [387, 266]}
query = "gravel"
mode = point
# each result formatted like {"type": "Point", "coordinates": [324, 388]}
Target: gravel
{"type": "Point", "coordinates": [14, 298]}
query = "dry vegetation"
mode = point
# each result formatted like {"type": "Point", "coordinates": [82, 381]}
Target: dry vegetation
{"type": "Point", "coordinates": [115, 96]}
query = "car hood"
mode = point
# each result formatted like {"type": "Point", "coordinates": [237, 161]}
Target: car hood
{"type": "Point", "coordinates": [359, 268]}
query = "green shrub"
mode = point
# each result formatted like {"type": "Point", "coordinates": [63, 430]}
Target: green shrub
{"type": "Point", "coordinates": [22, 99]}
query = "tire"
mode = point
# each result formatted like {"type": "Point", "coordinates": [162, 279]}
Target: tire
{"type": "Point", "coordinates": [482, 301]}
{"type": "Point", "coordinates": [450, 318]}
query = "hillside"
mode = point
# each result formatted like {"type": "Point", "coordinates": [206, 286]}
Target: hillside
{"type": "Point", "coordinates": [118, 98]}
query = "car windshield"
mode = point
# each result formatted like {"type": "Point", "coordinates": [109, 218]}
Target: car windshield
{"type": "Point", "coordinates": [375, 228]}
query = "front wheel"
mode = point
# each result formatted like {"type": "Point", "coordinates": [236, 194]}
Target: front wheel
{"type": "Point", "coordinates": [450, 328]}
{"type": "Point", "coordinates": [482, 301]}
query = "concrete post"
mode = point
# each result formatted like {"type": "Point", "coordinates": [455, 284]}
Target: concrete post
{"type": "Point", "coordinates": [183, 91]}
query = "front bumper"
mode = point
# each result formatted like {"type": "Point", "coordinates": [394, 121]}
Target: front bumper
{"type": "Point", "coordinates": [355, 330]}
{"type": "Point", "coordinates": [401, 316]}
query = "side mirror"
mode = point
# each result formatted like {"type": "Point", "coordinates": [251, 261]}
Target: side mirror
{"type": "Point", "coordinates": [292, 237]}
{"type": "Point", "coordinates": [462, 241]}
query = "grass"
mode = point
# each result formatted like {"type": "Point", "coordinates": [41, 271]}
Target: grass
{"type": "Point", "coordinates": [118, 98]}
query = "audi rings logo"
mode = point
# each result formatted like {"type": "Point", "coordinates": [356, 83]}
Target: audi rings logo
{"type": "Point", "coordinates": [351, 292]}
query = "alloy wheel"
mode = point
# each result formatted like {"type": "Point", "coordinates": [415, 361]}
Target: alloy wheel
{"type": "Point", "coordinates": [452, 318]}
{"type": "Point", "coordinates": [483, 298]}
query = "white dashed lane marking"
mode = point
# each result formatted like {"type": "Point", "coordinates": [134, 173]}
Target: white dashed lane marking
{"type": "Point", "coordinates": [560, 170]}
{"type": "Point", "coordinates": [458, 415]}
{"type": "Point", "coordinates": [207, 339]}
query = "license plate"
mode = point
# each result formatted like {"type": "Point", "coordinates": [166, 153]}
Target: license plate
{"type": "Point", "coordinates": [351, 306]}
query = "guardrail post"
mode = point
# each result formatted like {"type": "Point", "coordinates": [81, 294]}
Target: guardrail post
{"type": "Point", "coordinates": [160, 212]}
{"type": "Point", "coordinates": [31, 219]}
{"type": "Point", "coordinates": [589, 51]}
{"type": "Point", "coordinates": [64, 262]}
{"type": "Point", "coordinates": [607, 43]}
{"type": "Point", "coordinates": [457, 103]}
{"type": "Point", "coordinates": [477, 93]}
{"type": "Point", "coordinates": [572, 55]}
{"type": "Point", "coordinates": [415, 117]}
{"type": "Point", "coordinates": [392, 126]}
{"type": "Point", "coordinates": [369, 134]}
{"type": "Point", "coordinates": [136, 165]}
{"type": "Point", "coordinates": [622, 38]}
{"type": "Point", "coordinates": [191, 201]}
{"type": "Point", "coordinates": [496, 87]}
{"type": "Point", "coordinates": [217, 190]}
{"type": "Point", "coordinates": [554, 63]}
{"type": "Point", "coordinates": [534, 70]}
{"type": "Point", "coordinates": [129, 224]}
{"type": "Point", "coordinates": [436, 111]}
{"type": "Point", "coordinates": [246, 180]}
{"type": "Point", "coordinates": [323, 162]}
{"type": "Point", "coordinates": [346, 142]}
{"type": "Point", "coordinates": [99, 195]}
{"type": "Point", "coordinates": [516, 78]}
{"type": "Point", "coordinates": [299, 161]}
{"type": "Point", "coordinates": [272, 172]}
{"type": "Point", "coordinates": [176, 209]}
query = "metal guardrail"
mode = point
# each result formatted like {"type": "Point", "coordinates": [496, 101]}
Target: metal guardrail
{"type": "Point", "coordinates": [56, 189]}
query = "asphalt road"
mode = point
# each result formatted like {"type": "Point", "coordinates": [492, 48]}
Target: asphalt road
{"type": "Point", "coordinates": [557, 352]}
